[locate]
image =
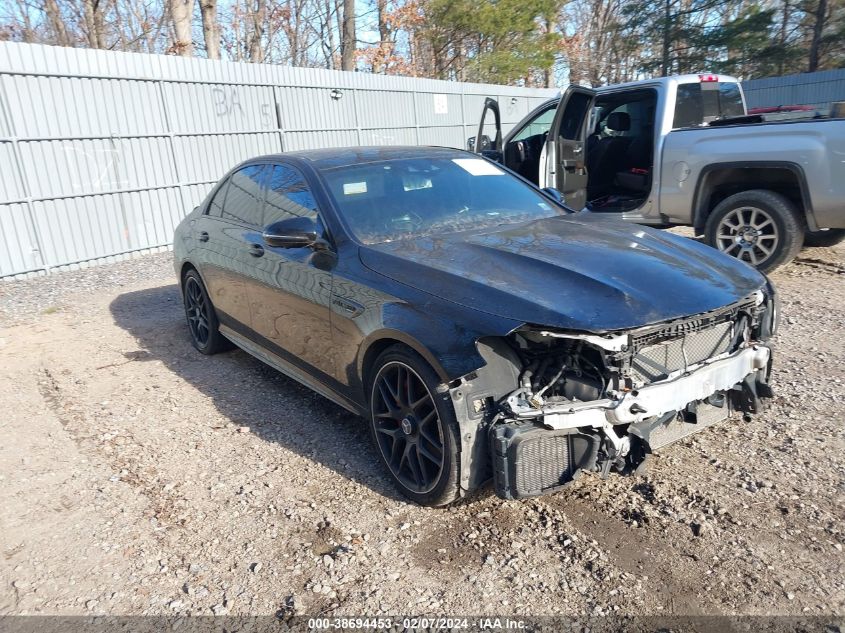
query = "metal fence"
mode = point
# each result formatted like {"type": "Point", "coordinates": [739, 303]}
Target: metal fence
{"type": "Point", "coordinates": [815, 89]}
{"type": "Point", "coordinates": [102, 153]}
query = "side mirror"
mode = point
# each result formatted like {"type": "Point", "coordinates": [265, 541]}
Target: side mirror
{"type": "Point", "coordinates": [292, 233]}
{"type": "Point", "coordinates": [554, 194]}
{"type": "Point", "coordinates": [486, 143]}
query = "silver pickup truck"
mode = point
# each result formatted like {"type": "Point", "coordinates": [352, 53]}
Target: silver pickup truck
{"type": "Point", "coordinates": [683, 151]}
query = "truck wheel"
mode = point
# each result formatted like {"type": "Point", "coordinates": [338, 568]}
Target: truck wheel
{"type": "Point", "coordinates": [415, 432]}
{"type": "Point", "coordinates": [759, 227]}
{"type": "Point", "coordinates": [825, 237]}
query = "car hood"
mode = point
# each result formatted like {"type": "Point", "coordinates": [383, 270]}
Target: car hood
{"type": "Point", "coordinates": [579, 272]}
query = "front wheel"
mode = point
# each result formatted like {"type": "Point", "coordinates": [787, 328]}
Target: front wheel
{"type": "Point", "coordinates": [759, 227]}
{"type": "Point", "coordinates": [824, 237]}
{"type": "Point", "coordinates": [414, 430]}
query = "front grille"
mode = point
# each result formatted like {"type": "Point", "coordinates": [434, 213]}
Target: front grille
{"type": "Point", "coordinates": [655, 361]}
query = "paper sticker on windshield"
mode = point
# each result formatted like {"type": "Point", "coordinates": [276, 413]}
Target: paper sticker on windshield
{"type": "Point", "coordinates": [351, 188]}
{"type": "Point", "coordinates": [478, 166]}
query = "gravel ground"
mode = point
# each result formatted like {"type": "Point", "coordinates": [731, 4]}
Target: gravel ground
{"type": "Point", "coordinates": [139, 477]}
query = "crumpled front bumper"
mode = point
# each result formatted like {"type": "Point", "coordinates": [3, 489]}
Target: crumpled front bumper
{"type": "Point", "coordinates": [672, 394]}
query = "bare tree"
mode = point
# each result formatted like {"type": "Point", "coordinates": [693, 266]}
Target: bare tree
{"type": "Point", "coordinates": [57, 23]}
{"type": "Point", "coordinates": [210, 28]}
{"type": "Point", "coordinates": [258, 15]}
{"type": "Point", "coordinates": [94, 11]}
{"type": "Point", "coordinates": [348, 39]}
{"type": "Point", "coordinates": [182, 13]}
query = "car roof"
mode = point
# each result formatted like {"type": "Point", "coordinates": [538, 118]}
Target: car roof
{"type": "Point", "coordinates": [330, 158]}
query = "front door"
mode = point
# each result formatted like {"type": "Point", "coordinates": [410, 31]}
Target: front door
{"type": "Point", "coordinates": [566, 146]}
{"type": "Point", "coordinates": [290, 292]}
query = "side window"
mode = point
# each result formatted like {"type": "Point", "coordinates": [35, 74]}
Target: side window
{"type": "Point", "coordinates": [288, 196]}
{"type": "Point", "coordinates": [243, 198]}
{"type": "Point", "coordinates": [216, 206]}
{"type": "Point", "coordinates": [573, 116]}
{"type": "Point", "coordinates": [539, 125]}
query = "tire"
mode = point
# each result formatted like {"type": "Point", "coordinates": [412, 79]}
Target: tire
{"type": "Point", "coordinates": [825, 237]}
{"type": "Point", "coordinates": [414, 429]}
{"type": "Point", "coordinates": [759, 227]}
{"type": "Point", "coordinates": [201, 317]}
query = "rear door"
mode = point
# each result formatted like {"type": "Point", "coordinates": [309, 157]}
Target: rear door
{"type": "Point", "coordinates": [226, 234]}
{"type": "Point", "coordinates": [566, 146]}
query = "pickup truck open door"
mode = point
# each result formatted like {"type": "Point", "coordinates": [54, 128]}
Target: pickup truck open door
{"type": "Point", "coordinates": [563, 164]}
{"type": "Point", "coordinates": [556, 155]}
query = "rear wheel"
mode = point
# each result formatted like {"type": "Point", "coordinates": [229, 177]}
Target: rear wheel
{"type": "Point", "coordinates": [201, 317]}
{"type": "Point", "coordinates": [759, 227]}
{"type": "Point", "coordinates": [824, 237]}
{"type": "Point", "coordinates": [415, 432]}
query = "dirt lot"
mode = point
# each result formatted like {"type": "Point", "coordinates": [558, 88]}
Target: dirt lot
{"type": "Point", "coordinates": [139, 477]}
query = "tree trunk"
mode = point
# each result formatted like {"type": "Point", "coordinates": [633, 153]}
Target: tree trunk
{"type": "Point", "coordinates": [348, 39]}
{"type": "Point", "coordinates": [210, 28]}
{"type": "Point", "coordinates": [782, 39]}
{"type": "Point", "coordinates": [329, 36]}
{"type": "Point", "coordinates": [818, 26]}
{"type": "Point", "coordinates": [182, 12]}
{"type": "Point", "coordinates": [57, 24]}
{"type": "Point", "coordinates": [667, 32]}
{"type": "Point", "coordinates": [256, 51]}
{"type": "Point", "coordinates": [93, 12]}
{"type": "Point", "coordinates": [385, 45]}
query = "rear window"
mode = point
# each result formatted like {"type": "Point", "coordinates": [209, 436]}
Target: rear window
{"type": "Point", "coordinates": [703, 102]}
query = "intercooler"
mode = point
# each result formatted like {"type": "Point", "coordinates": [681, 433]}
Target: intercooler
{"type": "Point", "coordinates": [658, 354]}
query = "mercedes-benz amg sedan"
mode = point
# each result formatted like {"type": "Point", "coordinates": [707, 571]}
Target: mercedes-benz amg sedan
{"type": "Point", "coordinates": [484, 330]}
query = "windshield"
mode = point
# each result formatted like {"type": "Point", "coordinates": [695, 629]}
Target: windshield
{"type": "Point", "coordinates": [396, 199]}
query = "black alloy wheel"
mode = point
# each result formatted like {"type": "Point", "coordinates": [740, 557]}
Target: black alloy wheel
{"type": "Point", "coordinates": [413, 439]}
{"type": "Point", "coordinates": [202, 319]}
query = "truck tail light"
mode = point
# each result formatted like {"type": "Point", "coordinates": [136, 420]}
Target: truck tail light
{"type": "Point", "coordinates": [708, 78]}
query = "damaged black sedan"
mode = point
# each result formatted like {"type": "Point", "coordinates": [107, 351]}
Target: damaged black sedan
{"type": "Point", "coordinates": [484, 330]}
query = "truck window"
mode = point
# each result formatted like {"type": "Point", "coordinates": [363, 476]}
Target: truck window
{"type": "Point", "coordinates": [700, 103]}
{"type": "Point", "coordinates": [539, 125]}
{"type": "Point", "coordinates": [574, 115]}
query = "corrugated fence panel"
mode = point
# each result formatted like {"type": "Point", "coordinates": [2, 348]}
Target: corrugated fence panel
{"type": "Point", "coordinates": [207, 157]}
{"type": "Point", "coordinates": [303, 108]}
{"type": "Point", "coordinates": [194, 107]}
{"type": "Point", "coordinates": [439, 109]}
{"type": "Point", "coordinates": [79, 229]}
{"type": "Point", "coordinates": [452, 136]}
{"type": "Point", "coordinates": [103, 153]}
{"type": "Point", "coordinates": [81, 106]}
{"type": "Point", "coordinates": [381, 109]}
{"type": "Point", "coordinates": [151, 216]}
{"type": "Point", "coordinates": [11, 187]}
{"type": "Point", "coordinates": [815, 89]}
{"type": "Point", "coordinates": [17, 244]}
{"type": "Point", "coordinates": [318, 138]}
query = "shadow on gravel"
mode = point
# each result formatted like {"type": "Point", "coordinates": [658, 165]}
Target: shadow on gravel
{"type": "Point", "coordinates": [249, 393]}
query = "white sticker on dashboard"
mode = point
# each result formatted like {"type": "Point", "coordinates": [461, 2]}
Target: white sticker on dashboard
{"type": "Point", "coordinates": [478, 167]}
{"type": "Point", "coordinates": [351, 188]}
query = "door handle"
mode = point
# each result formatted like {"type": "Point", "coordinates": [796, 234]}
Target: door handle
{"type": "Point", "coordinates": [577, 150]}
{"type": "Point", "coordinates": [203, 237]}
{"type": "Point", "coordinates": [256, 250]}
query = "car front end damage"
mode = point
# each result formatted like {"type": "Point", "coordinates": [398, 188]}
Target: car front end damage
{"type": "Point", "coordinates": [549, 405]}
